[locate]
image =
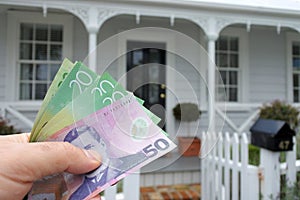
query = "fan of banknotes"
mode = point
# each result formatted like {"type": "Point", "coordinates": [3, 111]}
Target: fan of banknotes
{"type": "Point", "coordinates": [95, 112]}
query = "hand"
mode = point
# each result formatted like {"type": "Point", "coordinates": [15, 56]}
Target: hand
{"type": "Point", "coordinates": [22, 163]}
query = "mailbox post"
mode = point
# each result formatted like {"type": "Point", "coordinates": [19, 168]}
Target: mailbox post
{"type": "Point", "coordinates": [273, 136]}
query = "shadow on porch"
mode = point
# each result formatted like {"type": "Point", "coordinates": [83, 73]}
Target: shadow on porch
{"type": "Point", "coordinates": [171, 192]}
{"type": "Point", "coordinates": [179, 180]}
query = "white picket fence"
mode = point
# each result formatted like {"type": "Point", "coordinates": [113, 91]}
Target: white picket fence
{"type": "Point", "coordinates": [226, 174]}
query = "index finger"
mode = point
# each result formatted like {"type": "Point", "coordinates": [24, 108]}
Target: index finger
{"type": "Point", "coordinates": [15, 138]}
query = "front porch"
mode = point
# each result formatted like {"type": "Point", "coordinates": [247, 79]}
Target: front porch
{"type": "Point", "coordinates": [250, 52]}
{"type": "Point", "coordinates": [256, 53]}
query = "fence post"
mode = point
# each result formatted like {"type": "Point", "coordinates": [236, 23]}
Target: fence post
{"type": "Point", "coordinates": [269, 163]}
{"type": "Point", "coordinates": [253, 180]}
{"type": "Point", "coordinates": [291, 165]}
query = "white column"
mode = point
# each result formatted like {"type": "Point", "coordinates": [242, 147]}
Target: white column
{"type": "Point", "coordinates": [93, 27]}
{"type": "Point", "coordinates": [111, 192]}
{"type": "Point", "coordinates": [131, 186]}
{"type": "Point", "coordinates": [92, 55]}
{"type": "Point", "coordinates": [270, 165]}
{"type": "Point", "coordinates": [211, 82]}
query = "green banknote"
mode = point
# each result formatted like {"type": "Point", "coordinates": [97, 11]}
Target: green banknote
{"type": "Point", "coordinates": [103, 92]}
{"type": "Point", "coordinates": [79, 78]}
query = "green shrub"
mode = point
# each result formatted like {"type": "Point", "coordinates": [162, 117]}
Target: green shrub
{"type": "Point", "coordinates": [5, 128]}
{"type": "Point", "coordinates": [289, 193]}
{"type": "Point", "coordinates": [253, 155]}
{"type": "Point", "coordinates": [279, 110]}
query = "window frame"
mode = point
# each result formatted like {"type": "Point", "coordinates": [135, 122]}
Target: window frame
{"type": "Point", "coordinates": [290, 38]}
{"type": "Point", "coordinates": [14, 19]}
{"type": "Point", "coordinates": [243, 62]}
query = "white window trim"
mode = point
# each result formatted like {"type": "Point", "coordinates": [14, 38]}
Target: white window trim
{"type": "Point", "coordinates": [14, 18]}
{"type": "Point", "coordinates": [243, 77]}
{"type": "Point", "coordinates": [290, 38]}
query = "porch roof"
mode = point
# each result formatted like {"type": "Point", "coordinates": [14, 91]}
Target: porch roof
{"type": "Point", "coordinates": [274, 6]}
{"type": "Point", "coordinates": [267, 6]}
{"type": "Point", "coordinates": [279, 5]}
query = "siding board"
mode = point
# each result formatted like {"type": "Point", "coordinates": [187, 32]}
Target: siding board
{"type": "Point", "coordinates": [80, 41]}
{"type": "Point", "coordinates": [2, 55]}
{"type": "Point", "coordinates": [267, 65]}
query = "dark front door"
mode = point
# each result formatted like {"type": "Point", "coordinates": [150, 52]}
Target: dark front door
{"type": "Point", "coordinates": [146, 75]}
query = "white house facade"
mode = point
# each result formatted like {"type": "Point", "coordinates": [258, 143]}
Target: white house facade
{"type": "Point", "coordinates": [254, 47]}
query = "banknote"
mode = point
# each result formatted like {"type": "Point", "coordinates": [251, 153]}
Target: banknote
{"type": "Point", "coordinates": [79, 78]}
{"type": "Point", "coordinates": [125, 137]}
{"type": "Point", "coordinates": [104, 91]}
{"type": "Point", "coordinates": [60, 76]}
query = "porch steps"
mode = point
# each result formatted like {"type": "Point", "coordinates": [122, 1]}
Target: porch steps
{"type": "Point", "coordinates": [171, 192]}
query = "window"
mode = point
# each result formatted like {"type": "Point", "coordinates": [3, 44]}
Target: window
{"type": "Point", "coordinates": [36, 47]}
{"type": "Point", "coordinates": [227, 61]}
{"type": "Point", "coordinates": [296, 70]}
{"type": "Point", "coordinates": [39, 58]}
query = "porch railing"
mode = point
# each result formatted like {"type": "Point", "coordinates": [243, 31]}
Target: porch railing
{"type": "Point", "coordinates": [251, 110]}
{"type": "Point", "coordinates": [17, 109]}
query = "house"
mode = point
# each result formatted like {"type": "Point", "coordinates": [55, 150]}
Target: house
{"type": "Point", "coordinates": [254, 44]}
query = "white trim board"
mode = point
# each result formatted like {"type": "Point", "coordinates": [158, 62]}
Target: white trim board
{"type": "Point", "coordinates": [290, 38]}
{"type": "Point", "coordinates": [14, 18]}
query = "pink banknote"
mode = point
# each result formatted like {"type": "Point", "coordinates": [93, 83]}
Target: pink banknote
{"type": "Point", "coordinates": [124, 136]}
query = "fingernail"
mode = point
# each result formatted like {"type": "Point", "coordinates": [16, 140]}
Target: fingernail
{"type": "Point", "coordinates": [94, 155]}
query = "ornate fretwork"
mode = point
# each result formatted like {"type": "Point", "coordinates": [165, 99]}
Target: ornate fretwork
{"type": "Point", "coordinates": [293, 26]}
{"type": "Point", "coordinates": [201, 21]}
{"type": "Point", "coordinates": [81, 12]}
{"type": "Point", "coordinates": [106, 13]}
{"type": "Point", "coordinates": [211, 25]}
{"type": "Point", "coordinates": [88, 15]}
{"type": "Point", "coordinates": [221, 23]}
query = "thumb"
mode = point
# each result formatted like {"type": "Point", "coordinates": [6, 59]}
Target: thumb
{"type": "Point", "coordinates": [32, 161]}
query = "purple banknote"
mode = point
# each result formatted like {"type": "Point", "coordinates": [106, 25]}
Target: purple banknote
{"type": "Point", "coordinates": [124, 136]}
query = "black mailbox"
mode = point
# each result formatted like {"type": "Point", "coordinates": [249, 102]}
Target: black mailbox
{"type": "Point", "coordinates": [274, 135]}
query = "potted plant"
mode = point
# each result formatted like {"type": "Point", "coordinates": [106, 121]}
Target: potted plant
{"type": "Point", "coordinates": [187, 112]}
